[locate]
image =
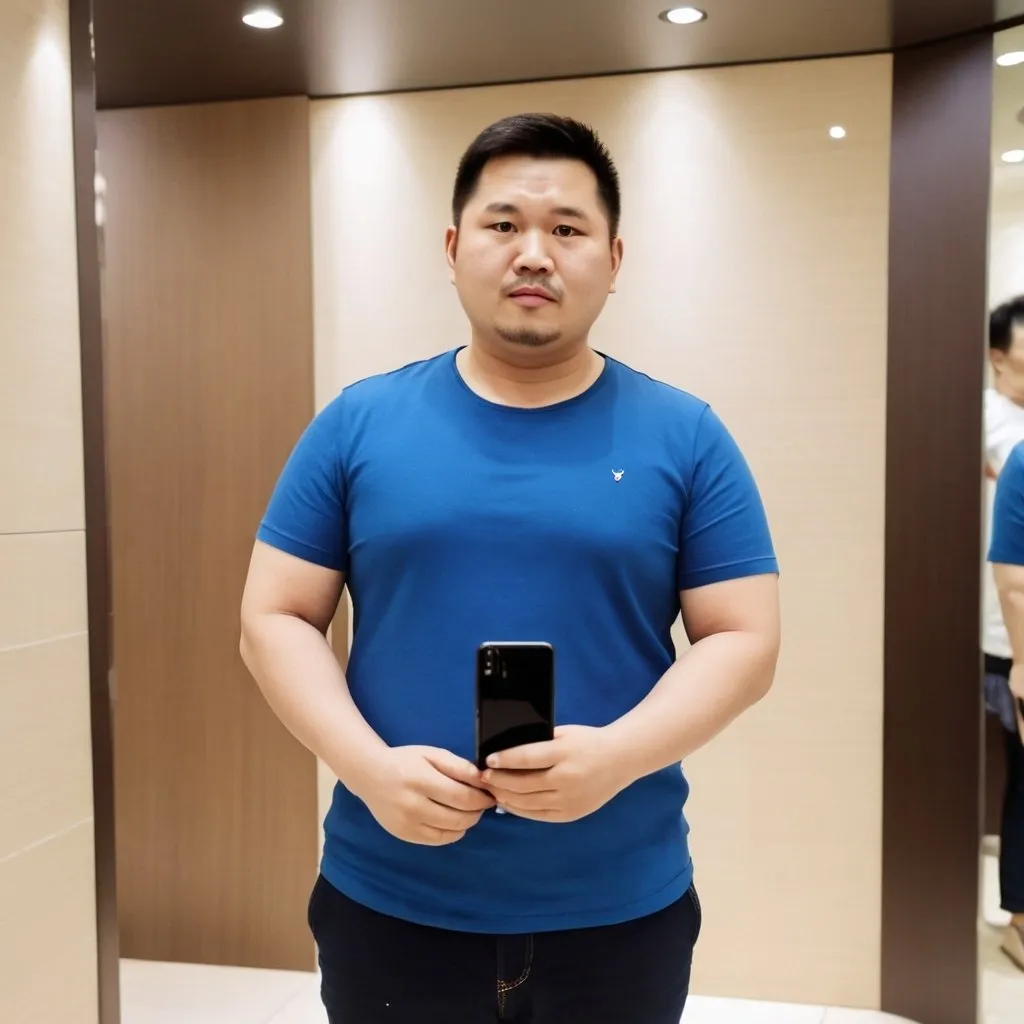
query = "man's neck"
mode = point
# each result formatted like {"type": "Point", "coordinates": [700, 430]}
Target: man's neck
{"type": "Point", "coordinates": [531, 383]}
{"type": "Point", "coordinates": [999, 388]}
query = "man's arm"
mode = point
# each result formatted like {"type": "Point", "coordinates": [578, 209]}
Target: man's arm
{"type": "Point", "coordinates": [286, 609]}
{"type": "Point", "coordinates": [1010, 583]}
{"type": "Point", "coordinates": [418, 794]}
{"type": "Point", "coordinates": [734, 629]}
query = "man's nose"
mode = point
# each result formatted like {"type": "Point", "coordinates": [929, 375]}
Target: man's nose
{"type": "Point", "coordinates": [533, 256]}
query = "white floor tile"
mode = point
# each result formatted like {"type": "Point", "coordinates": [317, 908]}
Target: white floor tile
{"type": "Point", "coordinates": [159, 993]}
{"type": "Point", "coordinates": [860, 1017]}
{"type": "Point", "coordinates": [1002, 982]}
{"type": "Point", "coordinates": [305, 1008]}
{"type": "Point", "coordinates": [708, 1010]}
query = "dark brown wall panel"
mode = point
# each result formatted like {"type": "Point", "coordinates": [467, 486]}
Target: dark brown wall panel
{"type": "Point", "coordinates": [208, 293]}
{"type": "Point", "coordinates": [917, 21]}
{"type": "Point", "coordinates": [933, 715]}
{"type": "Point", "coordinates": [83, 85]}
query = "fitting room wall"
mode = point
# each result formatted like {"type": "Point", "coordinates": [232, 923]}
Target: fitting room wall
{"type": "Point", "coordinates": [756, 277]}
{"type": "Point", "coordinates": [1006, 239]}
{"type": "Point", "coordinates": [48, 953]}
{"type": "Point", "coordinates": [209, 364]}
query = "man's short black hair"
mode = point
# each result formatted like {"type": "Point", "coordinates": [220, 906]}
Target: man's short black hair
{"type": "Point", "coordinates": [1001, 322]}
{"type": "Point", "coordinates": [544, 136]}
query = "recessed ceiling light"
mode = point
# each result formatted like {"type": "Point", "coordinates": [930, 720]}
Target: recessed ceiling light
{"type": "Point", "coordinates": [1007, 60]}
{"type": "Point", "coordinates": [837, 131]}
{"type": "Point", "coordinates": [1013, 156]}
{"type": "Point", "coordinates": [683, 16]}
{"type": "Point", "coordinates": [263, 17]}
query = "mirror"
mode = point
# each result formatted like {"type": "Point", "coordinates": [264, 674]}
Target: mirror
{"type": "Point", "coordinates": [1001, 912]}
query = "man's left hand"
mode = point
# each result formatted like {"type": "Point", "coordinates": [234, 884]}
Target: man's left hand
{"type": "Point", "coordinates": [562, 780]}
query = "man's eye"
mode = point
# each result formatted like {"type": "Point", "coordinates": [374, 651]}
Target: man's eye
{"type": "Point", "coordinates": [504, 226]}
{"type": "Point", "coordinates": [565, 231]}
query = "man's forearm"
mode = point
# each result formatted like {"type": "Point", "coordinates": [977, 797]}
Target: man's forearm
{"type": "Point", "coordinates": [709, 686]}
{"type": "Point", "coordinates": [1011, 603]}
{"type": "Point", "coordinates": [299, 676]}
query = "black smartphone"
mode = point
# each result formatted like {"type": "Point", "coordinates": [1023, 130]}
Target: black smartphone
{"type": "Point", "coordinates": [515, 696]}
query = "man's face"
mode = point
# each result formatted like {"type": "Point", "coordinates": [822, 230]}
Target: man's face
{"type": "Point", "coordinates": [1009, 366]}
{"type": "Point", "coordinates": [533, 260]}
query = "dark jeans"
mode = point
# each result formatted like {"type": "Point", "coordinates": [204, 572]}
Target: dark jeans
{"type": "Point", "coordinates": [379, 970]}
{"type": "Point", "coordinates": [1011, 841]}
{"type": "Point", "coordinates": [1011, 852]}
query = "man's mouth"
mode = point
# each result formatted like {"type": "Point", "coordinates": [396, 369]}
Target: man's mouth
{"type": "Point", "coordinates": [531, 297]}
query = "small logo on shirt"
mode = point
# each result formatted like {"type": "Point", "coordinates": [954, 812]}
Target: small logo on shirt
{"type": "Point", "coordinates": [618, 474]}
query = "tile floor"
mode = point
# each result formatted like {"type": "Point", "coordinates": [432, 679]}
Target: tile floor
{"type": "Point", "coordinates": [153, 993]}
{"type": "Point", "coordinates": [1002, 985]}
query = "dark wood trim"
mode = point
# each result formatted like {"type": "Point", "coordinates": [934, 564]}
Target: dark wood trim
{"type": "Point", "coordinates": [942, 106]}
{"type": "Point", "coordinates": [96, 547]}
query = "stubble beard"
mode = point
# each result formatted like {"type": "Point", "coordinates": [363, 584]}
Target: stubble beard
{"type": "Point", "coordinates": [528, 337]}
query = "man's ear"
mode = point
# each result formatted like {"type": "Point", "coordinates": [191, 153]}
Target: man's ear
{"type": "Point", "coordinates": [616, 263]}
{"type": "Point", "coordinates": [451, 245]}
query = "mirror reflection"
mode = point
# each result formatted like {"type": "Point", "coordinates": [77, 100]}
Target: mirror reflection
{"type": "Point", "coordinates": [1001, 936]}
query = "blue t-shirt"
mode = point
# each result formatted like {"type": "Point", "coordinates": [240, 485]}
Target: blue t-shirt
{"type": "Point", "coordinates": [1007, 545]}
{"type": "Point", "coordinates": [457, 521]}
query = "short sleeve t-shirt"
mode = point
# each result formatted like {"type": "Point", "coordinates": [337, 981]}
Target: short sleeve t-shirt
{"type": "Point", "coordinates": [1007, 547]}
{"type": "Point", "coordinates": [458, 521]}
{"type": "Point", "coordinates": [1004, 428]}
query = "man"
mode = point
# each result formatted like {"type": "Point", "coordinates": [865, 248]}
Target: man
{"type": "Point", "coordinates": [1004, 429]}
{"type": "Point", "coordinates": [523, 487]}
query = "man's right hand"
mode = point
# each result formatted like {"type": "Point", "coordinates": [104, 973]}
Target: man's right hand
{"type": "Point", "coordinates": [425, 795]}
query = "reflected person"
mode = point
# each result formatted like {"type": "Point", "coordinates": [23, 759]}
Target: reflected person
{"type": "Point", "coordinates": [521, 487]}
{"type": "Point", "coordinates": [1007, 556]}
{"type": "Point", "coordinates": [1004, 429]}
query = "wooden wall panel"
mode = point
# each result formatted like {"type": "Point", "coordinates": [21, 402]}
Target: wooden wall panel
{"type": "Point", "coordinates": [208, 301]}
{"type": "Point", "coordinates": [939, 198]}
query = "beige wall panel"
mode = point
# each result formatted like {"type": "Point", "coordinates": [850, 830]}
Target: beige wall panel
{"type": "Point", "coordinates": [48, 932]}
{"type": "Point", "coordinates": [755, 276]}
{"type": "Point", "coordinates": [47, 903]}
{"type": "Point", "coordinates": [42, 587]}
{"type": "Point", "coordinates": [45, 754]}
{"type": "Point", "coordinates": [1006, 239]}
{"type": "Point", "coordinates": [40, 401]}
